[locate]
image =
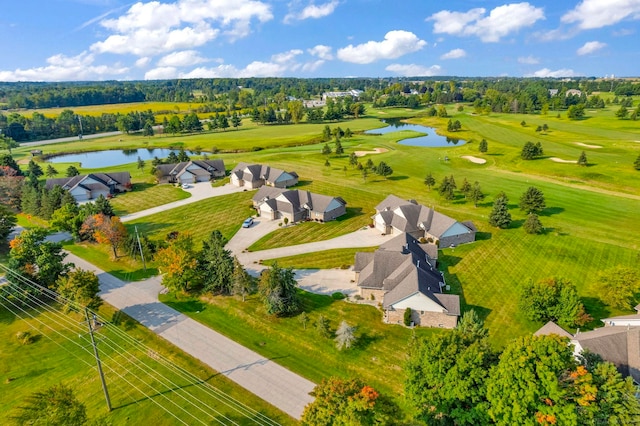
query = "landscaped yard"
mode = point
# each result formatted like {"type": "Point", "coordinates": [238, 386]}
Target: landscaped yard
{"type": "Point", "coordinates": [327, 259]}
{"type": "Point", "coordinates": [377, 358]}
{"type": "Point", "coordinates": [145, 196]}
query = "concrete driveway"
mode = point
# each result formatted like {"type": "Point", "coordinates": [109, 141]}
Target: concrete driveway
{"type": "Point", "coordinates": [199, 191]}
{"type": "Point", "coordinates": [247, 236]}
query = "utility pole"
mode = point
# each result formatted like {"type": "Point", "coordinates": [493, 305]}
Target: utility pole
{"type": "Point", "coordinates": [144, 264]}
{"type": "Point", "coordinates": [95, 352]}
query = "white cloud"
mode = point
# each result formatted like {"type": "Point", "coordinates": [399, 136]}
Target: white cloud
{"type": "Point", "coordinates": [143, 62]}
{"type": "Point", "coordinates": [313, 65]}
{"type": "Point", "coordinates": [546, 72]}
{"type": "Point", "coordinates": [153, 28]}
{"type": "Point", "coordinates": [530, 60]}
{"type": "Point", "coordinates": [501, 21]}
{"type": "Point", "coordinates": [321, 51]}
{"type": "Point", "coordinates": [66, 68]}
{"type": "Point", "coordinates": [181, 59]}
{"type": "Point", "coordinates": [161, 73]}
{"type": "Point", "coordinates": [413, 70]}
{"type": "Point", "coordinates": [395, 44]}
{"type": "Point", "coordinates": [286, 56]}
{"type": "Point", "coordinates": [592, 14]}
{"type": "Point", "coordinates": [590, 47]}
{"type": "Point", "coordinates": [312, 11]}
{"type": "Point", "coordinates": [454, 54]}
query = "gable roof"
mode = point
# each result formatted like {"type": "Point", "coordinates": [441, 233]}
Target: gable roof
{"type": "Point", "coordinates": [104, 181]}
{"type": "Point", "coordinates": [256, 172]}
{"type": "Point", "coordinates": [618, 345]}
{"type": "Point", "coordinates": [403, 268]}
{"type": "Point", "coordinates": [290, 200]}
{"type": "Point", "coordinates": [409, 216]}
{"type": "Point", "coordinates": [203, 167]}
{"type": "Point", "coordinates": [552, 328]}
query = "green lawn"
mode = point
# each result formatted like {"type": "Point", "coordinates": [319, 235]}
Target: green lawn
{"type": "Point", "coordinates": [224, 213]}
{"type": "Point", "coordinates": [145, 196]}
{"type": "Point", "coordinates": [62, 354]}
{"type": "Point", "coordinates": [377, 358]}
{"type": "Point", "coordinates": [327, 259]}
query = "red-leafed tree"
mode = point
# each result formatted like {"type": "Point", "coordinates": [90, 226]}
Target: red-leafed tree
{"type": "Point", "coordinates": [104, 230]}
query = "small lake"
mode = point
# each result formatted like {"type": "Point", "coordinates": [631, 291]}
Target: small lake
{"type": "Point", "coordinates": [431, 138]}
{"type": "Point", "coordinates": [113, 157]}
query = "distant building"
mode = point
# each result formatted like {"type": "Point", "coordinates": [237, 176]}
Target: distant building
{"type": "Point", "coordinates": [553, 92]}
{"type": "Point", "coordinates": [91, 186]}
{"type": "Point", "coordinates": [191, 171]}
{"type": "Point", "coordinates": [252, 176]}
{"type": "Point", "coordinates": [573, 92]}
{"type": "Point", "coordinates": [354, 93]}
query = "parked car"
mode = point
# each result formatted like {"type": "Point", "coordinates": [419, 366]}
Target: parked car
{"type": "Point", "coordinates": [186, 186]}
{"type": "Point", "coordinates": [247, 223]}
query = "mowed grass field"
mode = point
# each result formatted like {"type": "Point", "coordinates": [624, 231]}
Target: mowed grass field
{"type": "Point", "coordinates": [141, 386]}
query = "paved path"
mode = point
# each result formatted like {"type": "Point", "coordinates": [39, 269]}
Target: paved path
{"type": "Point", "coordinates": [199, 191]}
{"type": "Point", "coordinates": [321, 281]}
{"type": "Point", "coordinates": [275, 384]}
{"type": "Point", "coordinates": [70, 139]}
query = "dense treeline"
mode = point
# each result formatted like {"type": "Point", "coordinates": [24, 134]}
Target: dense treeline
{"type": "Point", "coordinates": [279, 100]}
{"type": "Point", "coordinates": [264, 90]}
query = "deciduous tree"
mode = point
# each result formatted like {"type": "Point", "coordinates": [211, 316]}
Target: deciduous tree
{"type": "Point", "coordinates": [349, 402]}
{"type": "Point", "coordinates": [620, 284]}
{"type": "Point", "coordinates": [178, 263]}
{"type": "Point", "coordinates": [56, 405]}
{"type": "Point", "coordinates": [553, 299]}
{"type": "Point", "coordinates": [79, 288]}
{"type": "Point", "coordinates": [8, 221]}
{"type": "Point", "coordinates": [429, 180]}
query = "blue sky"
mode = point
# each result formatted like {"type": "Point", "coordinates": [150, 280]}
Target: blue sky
{"type": "Point", "coordinates": [64, 40]}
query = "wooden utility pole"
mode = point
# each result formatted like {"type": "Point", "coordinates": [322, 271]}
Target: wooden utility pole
{"type": "Point", "coordinates": [95, 352]}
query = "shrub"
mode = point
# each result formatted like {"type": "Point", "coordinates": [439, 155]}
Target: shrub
{"type": "Point", "coordinates": [338, 296]}
{"type": "Point", "coordinates": [407, 317]}
{"type": "Point", "coordinates": [25, 337]}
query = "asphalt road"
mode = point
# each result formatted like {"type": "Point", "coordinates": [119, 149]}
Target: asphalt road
{"type": "Point", "coordinates": [70, 139]}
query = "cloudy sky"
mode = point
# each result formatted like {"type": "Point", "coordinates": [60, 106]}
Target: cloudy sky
{"type": "Point", "coordinates": [62, 40]}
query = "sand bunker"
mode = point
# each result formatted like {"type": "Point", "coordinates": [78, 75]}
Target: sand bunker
{"type": "Point", "coordinates": [587, 146]}
{"type": "Point", "coordinates": [474, 159]}
{"type": "Point", "coordinates": [560, 160]}
{"type": "Point", "coordinates": [375, 151]}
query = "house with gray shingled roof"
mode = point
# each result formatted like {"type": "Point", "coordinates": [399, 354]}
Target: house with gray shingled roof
{"type": "Point", "coordinates": [394, 214]}
{"type": "Point", "coordinates": [252, 176]}
{"type": "Point", "coordinates": [91, 186]}
{"type": "Point", "coordinates": [400, 275]}
{"type": "Point", "coordinates": [618, 342]}
{"type": "Point", "coordinates": [191, 171]}
{"type": "Point", "coordinates": [297, 205]}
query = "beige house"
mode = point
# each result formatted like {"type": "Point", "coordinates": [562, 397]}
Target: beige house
{"type": "Point", "coordinates": [296, 205]}
{"type": "Point", "coordinates": [618, 342]}
{"type": "Point", "coordinates": [395, 215]}
{"type": "Point", "coordinates": [252, 176]}
{"type": "Point", "coordinates": [401, 274]}
{"type": "Point", "coordinates": [191, 171]}
{"type": "Point", "coordinates": [91, 186]}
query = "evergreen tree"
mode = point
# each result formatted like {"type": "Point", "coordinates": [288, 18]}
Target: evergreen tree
{"type": "Point", "coordinates": [484, 146]}
{"type": "Point", "coordinates": [339, 149]}
{"type": "Point", "coordinates": [8, 221]}
{"type": "Point", "coordinates": [182, 156]}
{"type": "Point", "coordinates": [532, 200]}
{"type": "Point", "coordinates": [500, 216]}
{"type": "Point", "coordinates": [140, 163]}
{"type": "Point", "coordinates": [72, 171]}
{"type": "Point", "coordinates": [34, 169]}
{"type": "Point", "coordinates": [242, 283]}
{"type": "Point", "coordinates": [326, 150]}
{"type": "Point", "coordinates": [345, 336]}
{"type": "Point", "coordinates": [236, 121]}
{"type": "Point", "coordinates": [51, 171]}
{"type": "Point", "coordinates": [532, 225]}
{"type": "Point", "coordinates": [475, 194]}
{"type": "Point", "coordinates": [465, 188]}
{"type": "Point", "coordinates": [326, 133]}
{"type": "Point", "coordinates": [353, 159]}
{"type": "Point", "coordinates": [278, 288]}
{"type": "Point", "coordinates": [383, 169]}
{"type": "Point", "coordinates": [582, 160]}
{"type": "Point", "coordinates": [147, 130]}
{"type": "Point", "coordinates": [172, 158]}
{"type": "Point", "coordinates": [429, 180]}
{"type": "Point", "coordinates": [216, 264]}
{"type": "Point", "coordinates": [102, 205]}
{"type": "Point", "coordinates": [369, 164]}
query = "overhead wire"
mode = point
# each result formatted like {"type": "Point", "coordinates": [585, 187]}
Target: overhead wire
{"type": "Point", "coordinates": [209, 389]}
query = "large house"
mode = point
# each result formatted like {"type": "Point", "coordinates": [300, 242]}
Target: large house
{"type": "Point", "coordinates": [618, 342]}
{"type": "Point", "coordinates": [191, 171]}
{"type": "Point", "coordinates": [401, 274]}
{"type": "Point", "coordinates": [253, 176]}
{"type": "Point", "coordinates": [91, 186]}
{"type": "Point", "coordinates": [297, 205]}
{"type": "Point", "coordinates": [394, 214]}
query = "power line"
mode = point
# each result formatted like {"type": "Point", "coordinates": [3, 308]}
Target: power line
{"type": "Point", "coordinates": [210, 390]}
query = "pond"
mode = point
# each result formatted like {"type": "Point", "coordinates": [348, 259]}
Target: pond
{"type": "Point", "coordinates": [113, 157]}
{"type": "Point", "coordinates": [430, 139]}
